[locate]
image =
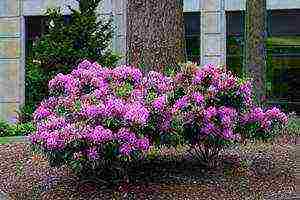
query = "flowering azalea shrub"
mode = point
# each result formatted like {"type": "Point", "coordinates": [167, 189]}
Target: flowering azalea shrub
{"type": "Point", "coordinates": [97, 114]}
{"type": "Point", "coordinates": [262, 124]}
{"type": "Point", "coordinates": [92, 115]}
{"type": "Point", "coordinates": [210, 108]}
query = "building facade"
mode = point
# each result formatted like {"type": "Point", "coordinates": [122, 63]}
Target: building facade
{"type": "Point", "coordinates": [207, 24]}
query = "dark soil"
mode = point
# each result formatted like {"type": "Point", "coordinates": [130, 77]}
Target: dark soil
{"type": "Point", "coordinates": [252, 171]}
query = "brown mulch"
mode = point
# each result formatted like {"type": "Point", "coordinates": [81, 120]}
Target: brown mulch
{"type": "Point", "coordinates": [270, 173]}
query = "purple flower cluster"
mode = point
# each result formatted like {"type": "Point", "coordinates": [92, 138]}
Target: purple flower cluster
{"type": "Point", "coordinates": [87, 107]}
{"type": "Point", "coordinates": [127, 72]}
{"type": "Point", "coordinates": [100, 135]}
{"type": "Point", "coordinates": [40, 113]}
{"type": "Point", "coordinates": [66, 83]}
{"type": "Point", "coordinates": [92, 153]}
{"type": "Point", "coordinates": [198, 98]}
{"type": "Point", "coordinates": [137, 113]}
{"type": "Point", "coordinates": [220, 122]}
{"type": "Point", "coordinates": [181, 103]}
{"type": "Point", "coordinates": [77, 115]}
{"type": "Point", "coordinates": [102, 90]}
{"type": "Point", "coordinates": [264, 118]}
{"type": "Point", "coordinates": [158, 81]}
{"type": "Point", "coordinates": [129, 142]}
{"type": "Point", "coordinates": [245, 89]}
{"type": "Point", "coordinates": [160, 102]}
{"type": "Point", "coordinates": [208, 71]}
{"type": "Point", "coordinates": [115, 107]}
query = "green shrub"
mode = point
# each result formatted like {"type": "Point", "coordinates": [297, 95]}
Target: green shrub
{"type": "Point", "coordinates": [24, 128]}
{"type": "Point", "coordinates": [25, 113]}
{"type": "Point", "coordinates": [293, 127]}
{"type": "Point", "coordinates": [7, 129]}
{"type": "Point", "coordinates": [68, 42]}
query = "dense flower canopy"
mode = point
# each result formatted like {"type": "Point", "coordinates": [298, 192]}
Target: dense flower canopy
{"type": "Point", "coordinates": [94, 108]}
{"type": "Point", "coordinates": [92, 104]}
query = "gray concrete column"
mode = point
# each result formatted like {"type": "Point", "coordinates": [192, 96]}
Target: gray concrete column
{"type": "Point", "coordinates": [117, 10]}
{"type": "Point", "coordinates": [119, 13]}
{"type": "Point", "coordinates": [213, 32]}
{"type": "Point", "coordinates": [11, 54]}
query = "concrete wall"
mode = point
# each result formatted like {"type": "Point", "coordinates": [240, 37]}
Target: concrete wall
{"type": "Point", "coordinates": [213, 32]}
{"type": "Point", "coordinates": [38, 7]}
{"type": "Point", "coordinates": [195, 5]}
{"type": "Point", "coordinates": [12, 43]}
{"type": "Point", "coordinates": [11, 58]}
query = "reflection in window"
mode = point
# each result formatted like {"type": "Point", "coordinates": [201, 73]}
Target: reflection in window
{"type": "Point", "coordinates": [35, 27]}
{"type": "Point", "coordinates": [192, 36]}
{"type": "Point", "coordinates": [283, 54]}
{"type": "Point", "coordinates": [283, 47]}
{"type": "Point", "coordinates": [235, 41]}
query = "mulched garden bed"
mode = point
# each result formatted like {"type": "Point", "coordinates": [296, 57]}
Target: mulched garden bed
{"type": "Point", "coordinates": [252, 171]}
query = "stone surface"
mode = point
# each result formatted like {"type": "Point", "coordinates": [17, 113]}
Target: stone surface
{"type": "Point", "coordinates": [9, 8]}
{"type": "Point", "coordinates": [8, 110]}
{"type": "Point", "coordinates": [3, 196]}
{"type": "Point", "coordinates": [213, 32]}
{"type": "Point", "coordinates": [211, 5]}
{"type": "Point", "coordinates": [9, 80]}
{"type": "Point", "coordinates": [212, 21]}
{"type": "Point", "coordinates": [10, 27]}
{"type": "Point", "coordinates": [191, 5]}
{"type": "Point", "coordinates": [213, 44]}
{"type": "Point", "coordinates": [120, 24]}
{"type": "Point", "coordinates": [10, 47]}
{"type": "Point", "coordinates": [271, 4]}
{"type": "Point", "coordinates": [121, 45]}
{"type": "Point", "coordinates": [212, 59]}
{"type": "Point", "coordinates": [235, 4]}
{"type": "Point", "coordinates": [118, 6]}
{"type": "Point", "coordinates": [105, 7]}
{"type": "Point", "coordinates": [38, 7]}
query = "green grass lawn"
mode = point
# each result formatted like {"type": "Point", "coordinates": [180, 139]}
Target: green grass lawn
{"type": "Point", "coordinates": [7, 140]}
{"type": "Point", "coordinates": [287, 40]}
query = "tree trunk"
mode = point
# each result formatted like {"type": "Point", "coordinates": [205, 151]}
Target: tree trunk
{"type": "Point", "coordinates": [155, 33]}
{"type": "Point", "coordinates": [255, 44]}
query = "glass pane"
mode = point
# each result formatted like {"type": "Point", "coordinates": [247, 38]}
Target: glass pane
{"type": "Point", "coordinates": [235, 41]}
{"type": "Point", "coordinates": [234, 23]}
{"type": "Point", "coordinates": [193, 48]}
{"type": "Point", "coordinates": [192, 23]}
{"type": "Point", "coordinates": [234, 54]}
{"type": "Point", "coordinates": [284, 22]}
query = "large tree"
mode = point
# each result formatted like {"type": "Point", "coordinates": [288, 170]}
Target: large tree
{"type": "Point", "coordinates": [255, 44]}
{"type": "Point", "coordinates": [155, 33]}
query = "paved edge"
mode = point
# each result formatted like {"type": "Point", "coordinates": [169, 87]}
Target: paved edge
{"type": "Point", "coordinates": [15, 139]}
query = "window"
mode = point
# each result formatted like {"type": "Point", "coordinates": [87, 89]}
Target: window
{"type": "Point", "coordinates": [36, 26]}
{"type": "Point", "coordinates": [192, 36]}
{"type": "Point", "coordinates": [235, 40]}
{"type": "Point", "coordinates": [283, 53]}
{"type": "Point", "coordinates": [283, 47]}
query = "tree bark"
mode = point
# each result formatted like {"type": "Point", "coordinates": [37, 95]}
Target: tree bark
{"type": "Point", "coordinates": [255, 45]}
{"type": "Point", "coordinates": [155, 33]}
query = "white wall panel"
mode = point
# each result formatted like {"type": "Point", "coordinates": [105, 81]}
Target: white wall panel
{"type": "Point", "coordinates": [191, 5]}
